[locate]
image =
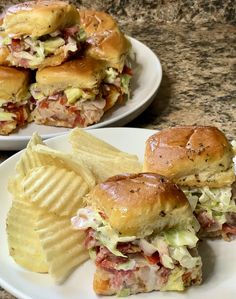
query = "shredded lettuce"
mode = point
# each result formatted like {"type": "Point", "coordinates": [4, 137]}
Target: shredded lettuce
{"type": "Point", "coordinates": [105, 234]}
{"type": "Point", "coordinates": [125, 81]}
{"type": "Point", "coordinates": [178, 238]}
{"type": "Point", "coordinates": [173, 246]}
{"type": "Point", "coordinates": [162, 248]}
{"type": "Point", "coordinates": [73, 94]}
{"type": "Point", "coordinates": [6, 41]}
{"type": "Point", "coordinates": [6, 116]}
{"type": "Point", "coordinates": [182, 255]}
{"type": "Point", "coordinates": [111, 75]}
{"type": "Point", "coordinates": [81, 35]}
{"type": "Point", "coordinates": [215, 201]}
{"type": "Point", "coordinates": [192, 198]}
{"type": "Point", "coordinates": [52, 44]}
{"type": "Point", "coordinates": [124, 292]}
{"type": "Point", "coordinates": [175, 281]}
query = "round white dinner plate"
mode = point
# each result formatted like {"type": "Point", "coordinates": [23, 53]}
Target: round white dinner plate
{"type": "Point", "coordinates": [219, 271]}
{"type": "Point", "coordinates": [144, 85]}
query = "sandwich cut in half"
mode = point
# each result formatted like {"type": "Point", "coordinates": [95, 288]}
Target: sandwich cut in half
{"type": "Point", "coordinates": [200, 160]}
{"type": "Point", "coordinates": [141, 234]}
{"type": "Point", "coordinates": [14, 96]}
{"type": "Point", "coordinates": [105, 41]}
{"type": "Point", "coordinates": [36, 34]}
{"type": "Point", "coordinates": [70, 95]}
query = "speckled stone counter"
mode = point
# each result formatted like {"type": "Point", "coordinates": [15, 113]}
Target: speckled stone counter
{"type": "Point", "coordinates": [196, 44]}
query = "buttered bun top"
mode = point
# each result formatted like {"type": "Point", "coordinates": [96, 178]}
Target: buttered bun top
{"type": "Point", "coordinates": [106, 40]}
{"type": "Point", "coordinates": [14, 84]}
{"type": "Point", "coordinates": [140, 204]}
{"type": "Point", "coordinates": [37, 18]}
{"type": "Point", "coordinates": [191, 156]}
{"type": "Point", "coordinates": [84, 72]}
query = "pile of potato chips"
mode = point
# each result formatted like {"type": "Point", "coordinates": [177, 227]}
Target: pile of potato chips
{"type": "Point", "coordinates": [47, 191]}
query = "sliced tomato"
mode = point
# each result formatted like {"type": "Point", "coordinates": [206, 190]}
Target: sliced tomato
{"type": "Point", "coordinates": [153, 259]}
{"type": "Point", "coordinates": [127, 70]}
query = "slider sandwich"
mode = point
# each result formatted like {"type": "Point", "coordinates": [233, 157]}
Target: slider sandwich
{"type": "Point", "coordinates": [71, 94]}
{"type": "Point", "coordinates": [14, 96]}
{"type": "Point", "coordinates": [40, 33]}
{"type": "Point", "coordinates": [200, 160]}
{"type": "Point", "coordinates": [140, 233]}
{"type": "Point", "coordinates": [106, 42]}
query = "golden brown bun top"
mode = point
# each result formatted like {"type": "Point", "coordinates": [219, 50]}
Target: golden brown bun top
{"type": "Point", "coordinates": [138, 204]}
{"type": "Point", "coordinates": [14, 83]}
{"type": "Point", "coordinates": [191, 156]}
{"type": "Point", "coordinates": [37, 18]}
{"type": "Point", "coordinates": [106, 40]}
{"type": "Point", "coordinates": [84, 72]}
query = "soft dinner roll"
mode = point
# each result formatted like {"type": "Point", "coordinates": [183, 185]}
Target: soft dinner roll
{"type": "Point", "coordinates": [105, 39]}
{"type": "Point", "coordinates": [191, 156]}
{"type": "Point", "coordinates": [138, 204]}
{"type": "Point", "coordinates": [37, 18]}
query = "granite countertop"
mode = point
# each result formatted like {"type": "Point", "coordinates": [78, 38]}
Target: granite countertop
{"type": "Point", "coordinates": [197, 49]}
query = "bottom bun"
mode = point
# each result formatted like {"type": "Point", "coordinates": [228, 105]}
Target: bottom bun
{"type": "Point", "coordinates": [145, 279]}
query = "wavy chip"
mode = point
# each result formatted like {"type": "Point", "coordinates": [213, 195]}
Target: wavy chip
{"type": "Point", "coordinates": [31, 159]}
{"type": "Point", "coordinates": [68, 161]}
{"type": "Point", "coordinates": [63, 246]}
{"type": "Point", "coordinates": [105, 167]}
{"type": "Point", "coordinates": [23, 242]}
{"type": "Point", "coordinates": [55, 189]}
{"type": "Point", "coordinates": [79, 137]}
{"type": "Point", "coordinates": [15, 187]}
{"type": "Point", "coordinates": [82, 140]}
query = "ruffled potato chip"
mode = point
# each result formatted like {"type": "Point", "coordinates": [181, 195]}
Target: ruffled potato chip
{"type": "Point", "coordinates": [24, 243]}
{"type": "Point", "coordinates": [55, 189]}
{"type": "Point", "coordinates": [63, 246]}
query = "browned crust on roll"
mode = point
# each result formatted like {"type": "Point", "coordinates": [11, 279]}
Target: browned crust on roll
{"type": "Point", "coordinates": [50, 122]}
{"type": "Point", "coordinates": [84, 72]}
{"type": "Point", "coordinates": [191, 156]}
{"type": "Point", "coordinates": [14, 83]}
{"type": "Point", "coordinates": [4, 53]}
{"type": "Point", "coordinates": [106, 41]}
{"type": "Point", "coordinates": [138, 204]}
{"type": "Point", "coordinates": [37, 18]}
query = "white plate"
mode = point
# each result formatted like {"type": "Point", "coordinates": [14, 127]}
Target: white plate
{"type": "Point", "coordinates": [144, 85]}
{"type": "Point", "coordinates": [218, 256]}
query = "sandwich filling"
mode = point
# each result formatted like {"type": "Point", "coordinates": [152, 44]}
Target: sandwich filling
{"type": "Point", "coordinates": [30, 52]}
{"type": "Point", "coordinates": [13, 114]}
{"type": "Point", "coordinates": [164, 261]}
{"type": "Point", "coordinates": [80, 107]}
{"type": "Point", "coordinates": [214, 208]}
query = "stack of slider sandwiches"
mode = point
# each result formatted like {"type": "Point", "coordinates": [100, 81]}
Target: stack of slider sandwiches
{"type": "Point", "coordinates": [60, 66]}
